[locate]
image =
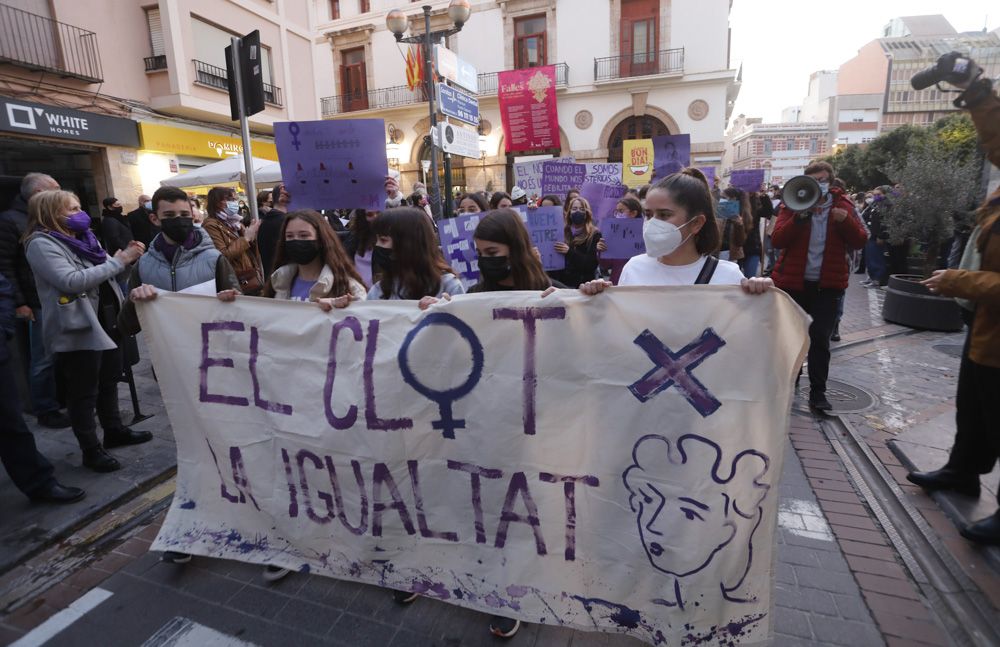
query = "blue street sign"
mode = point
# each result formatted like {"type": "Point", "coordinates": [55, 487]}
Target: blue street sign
{"type": "Point", "coordinates": [457, 104]}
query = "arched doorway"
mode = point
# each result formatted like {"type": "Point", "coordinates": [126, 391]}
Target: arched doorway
{"type": "Point", "coordinates": [457, 169]}
{"type": "Point", "coordinates": [644, 127]}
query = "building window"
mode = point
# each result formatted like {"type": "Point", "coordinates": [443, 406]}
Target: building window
{"type": "Point", "coordinates": [155, 32]}
{"type": "Point", "coordinates": [529, 42]}
{"type": "Point", "coordinates": [643, 127]}
{"type": "Point", "coordinates": [334, 9]}
{"type": "Point", "coordinates": [364, 6]}
{"type": "Point", "coordinates": [639, 36]}
{"type": "Point", "coordinates": [354, 80]}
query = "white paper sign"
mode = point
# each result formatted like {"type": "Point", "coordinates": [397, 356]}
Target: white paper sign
{"type": "Point", "coordinates": [487, 453]}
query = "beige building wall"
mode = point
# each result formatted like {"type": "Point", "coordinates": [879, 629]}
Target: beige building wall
{"type": "Point", "coordinates": [866, 73]}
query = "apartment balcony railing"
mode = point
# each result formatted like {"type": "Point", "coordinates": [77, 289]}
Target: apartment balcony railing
{"type": "Point", "coordinates": [401, 95]}
{"type": "Point", "coordinates": [667, 61]}
{"type": "Point", "coordinates": [488, 81]}
{"type": "Point", "coordinates": [154, 63]}
{"type": "Point", "coordinates": [42, 44]}
{"type": "Point", "coordinates": [216, 77]}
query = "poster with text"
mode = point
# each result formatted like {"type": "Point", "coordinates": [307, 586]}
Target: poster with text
{"type": "Point", "coordinates": [333, 164]}
{"type": "Point", "coordinates": [602, 198]}
{"type": "Point", "coordinates": [747, 180]}
{"type": "Point", "coordinates": [637, 162]}
{"type": "Point", "coordinates": [528, 175]}
{"type": "Point", "coordinates": [528, 109]}
{"type": "Point", "coordinates": [623, 236]}
{"type": "Point", "coordinates": [671, 153]}
{"type": "Point", "coordinates": [604, 172]}
{"type": "Point", "coordinates": [458, 246]}
{"type": "Point", "coordinates": [560, 177]}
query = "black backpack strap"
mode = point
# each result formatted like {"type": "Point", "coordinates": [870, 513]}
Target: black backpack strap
{"type": "Point", "coordinates": [707, 271]}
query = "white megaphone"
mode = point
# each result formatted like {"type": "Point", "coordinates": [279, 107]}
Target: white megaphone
{"type": "Point", "coordinates": [801, 193]}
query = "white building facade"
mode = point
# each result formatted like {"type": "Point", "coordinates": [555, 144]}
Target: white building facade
{"type": "Point", "coordinates": [660, 67]}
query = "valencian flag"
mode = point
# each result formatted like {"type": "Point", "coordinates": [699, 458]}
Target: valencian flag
{"type": "Point", "coordinates": [414, 70]}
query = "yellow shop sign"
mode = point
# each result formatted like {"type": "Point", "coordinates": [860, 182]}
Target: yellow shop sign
{"type": "Point", "coordinates": [197, 143]}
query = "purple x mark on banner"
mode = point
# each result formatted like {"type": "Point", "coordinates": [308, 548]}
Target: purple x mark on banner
{"type": "Point", "coordinates": [674, 369]}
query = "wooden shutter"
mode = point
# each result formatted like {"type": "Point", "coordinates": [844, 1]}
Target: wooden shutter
{"type": "Point", "coordinates": [155, 32]}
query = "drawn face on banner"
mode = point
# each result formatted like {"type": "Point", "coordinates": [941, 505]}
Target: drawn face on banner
{"type": "Point", "coordinates": [682, 530]}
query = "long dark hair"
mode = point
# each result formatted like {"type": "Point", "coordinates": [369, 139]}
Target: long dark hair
{"type": "Point", "coordinates": [217, 198]}
{"type": "Point", "coordinates": [589, 227]}
{"type": "Point", "coordinates": [505, 226]}
{"type": "Point", "coordinates": [417, 262]}
{"type": "Point", "coordinates": [689, 189]}
{"type": "Point", "coordinates": [361, 229]}
{"type": "Point", "coordinates": [330, 250]}
{"type": "Point", "coordinates": [476, 197]}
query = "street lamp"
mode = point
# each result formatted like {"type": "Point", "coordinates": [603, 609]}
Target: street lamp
{"type": "Point", "coordinates": [397, 22]}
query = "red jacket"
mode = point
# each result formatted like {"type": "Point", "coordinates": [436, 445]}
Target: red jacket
{"type": "Point", "coordinates": [791, 235]}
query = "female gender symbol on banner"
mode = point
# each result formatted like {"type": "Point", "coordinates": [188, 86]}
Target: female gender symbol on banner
{"type": "Point", "coordinates": [444, 399]}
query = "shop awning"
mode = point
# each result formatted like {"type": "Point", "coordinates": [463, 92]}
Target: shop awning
{"type": "Point", "coordinates": [227, 171]}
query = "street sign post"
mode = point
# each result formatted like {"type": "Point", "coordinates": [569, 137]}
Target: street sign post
{"type": "Point", "coordinates": [458, 140]}
{"type": "Point", "coordinates": [457, 104]}
{"type": "Point", "coordinates": [246, 97]}
{"type": "Point", "coordinates": [451, 67]}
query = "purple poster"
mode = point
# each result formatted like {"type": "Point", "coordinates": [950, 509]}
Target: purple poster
{"type": "Point", "coordinates": [709, 172]}
{"type": "Point", "coordinates": [623, 236]}
{"type": "Point", "coordinates": [330, 164]}
{"type": "Point", "coordinates": [602, 199]}
{"type": "Point", "coordinates": [546, 227]}
{"type": "Point", "coordinates": [671, 153]}
{"type": "Point", "coordinates": [458, 246]}
{"type": "Point", "coordinates": [560, 177]}
{"type": "Point", "coordinates": [747, 180]}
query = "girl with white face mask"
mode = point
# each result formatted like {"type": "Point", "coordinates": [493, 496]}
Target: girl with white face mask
{"type": "Point", "coordinates": [681, 235]}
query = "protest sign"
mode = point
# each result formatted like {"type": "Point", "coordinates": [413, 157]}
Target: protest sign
{"type": "Point", "coordinates": [528, 108]}
{"type": "Point", "coordinates": [747, 180]}
{"type": "Point", "coordinates": [604, 172]}
{"type": "Point", "coordinates": [671, 153]}
{"type": "Point", "coordinates": [709, 172]}
{"type": "Point", "coordinates": [458, 246]}
{"type": "Point", "coordinates": [559, 177]}
{"type": "Point", "coordinates": [528, 175]}
{"type": "Point", "coordinates": [487, 453]}
{"type": "Point", "coordinates": [637, 162]}
{"type": "Point", "coordinates": [623, 236]}
{"type": "Point", "coordinates": [547, 227]}
{"type": "Point", "coordinates": [333, 164]}
{"type": "Point", "coordinates": [602, 198]}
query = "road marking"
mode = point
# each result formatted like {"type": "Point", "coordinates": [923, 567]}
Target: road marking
{"type": "Point", "coordinates": [48, 629]}
{"type": "Point", "coordinates": [803, 518]}
{"type": "Point", "coordinates": [181, 632]}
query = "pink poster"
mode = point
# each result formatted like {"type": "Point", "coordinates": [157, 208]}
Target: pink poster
{"type": "Point", "coordinates": [528, 109]}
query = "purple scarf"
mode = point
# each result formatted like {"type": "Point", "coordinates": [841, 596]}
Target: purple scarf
{"type": "Point", "coordinates": [84, 245]}
{"type": "Point", "coordinates": [168, 250]}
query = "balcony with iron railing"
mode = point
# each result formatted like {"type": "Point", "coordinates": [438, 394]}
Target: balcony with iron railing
{"type": "Point", "coordinates": [401, 95]}
{"type": "Point", "coordinates": [42, 44]}
{"type": "Point", "coordinates": [154, 63]}
{"type": "Point", "coordinates": [217, 77]}
{"type": "Point", "coordinates": [663, 62]}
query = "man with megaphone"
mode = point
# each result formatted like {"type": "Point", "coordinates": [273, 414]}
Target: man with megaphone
{"type": "Point", "coordinates": [817, 225]}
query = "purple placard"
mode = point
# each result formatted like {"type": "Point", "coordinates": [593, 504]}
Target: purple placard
{"type": "Point", "coordinates": [546, 228]}
{"type": "Point", "coordinates": [623, 236]}
{"type": "Point", "coordinates": [458, 246]}
{"type": "Point", "coordinates": [709, 172]}
{"type": "Point", "coordinates": [602, 198]}
{"type": "Point", "coordinates": [671, 153]}
{"type": "Point", "coordinates": [560, 177]}
{"type": "Point", "coordinates": [747, 180]}
{"type": "Point", "coordinates": [333, 164]}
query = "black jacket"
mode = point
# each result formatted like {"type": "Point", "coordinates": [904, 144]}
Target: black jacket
{"type": "Point", "coordinates": [13, 264]}
{"type": "Point", "coordinates": [267, 238]}
{"type": "Point", "coordinates": [6, 317]}
{"type": "Point", "coordinates": [115, 232]}
{"type": "Point", "coordinates": [581, 262]}
{"type": "Point", "coordinates": [872, 217]}
{"type": "Point", "coordinates": [143, 230]}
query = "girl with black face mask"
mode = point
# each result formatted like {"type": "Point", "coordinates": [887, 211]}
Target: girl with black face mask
{"type": "Point", "coordinates": [581, 246]}
{"type": "Point", "coordinates": [312, 264]}
{"type": "Point", "coordinates": [507, 259]}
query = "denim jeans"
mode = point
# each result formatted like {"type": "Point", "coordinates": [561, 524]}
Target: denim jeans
{"type": "Point", "coordinates": [42, 374]}
{"type": "Point", "coordinates": [875, 261]}
{"type": "Point", "coordinates": [750, 265]}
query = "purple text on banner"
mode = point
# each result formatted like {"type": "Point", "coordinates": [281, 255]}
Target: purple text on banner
{"type": "Point", "coordinates": [528, 175]}
{"type": "Point", "coordinates": [546, 227]}
{"type": "Point", "coordinates": [560, 177]}
{"type": "Point", "coordinates": [623, 236]}
{"type": "Point", "coordinates": [709, 172]}
{"type": "Point", "coordinates": [602, 198]}
{"type": "Point", "coordinates": [331, 164]}
{"type": "Point", "coordinates": [458, 246]}
{"type": "Point", "coordinates": [747, 180]}
{"type": "Point", "coordinates": [671, 153]}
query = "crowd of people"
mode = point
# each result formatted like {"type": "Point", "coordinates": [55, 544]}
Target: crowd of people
{"type": "Point", "coordinates": [69, 285]}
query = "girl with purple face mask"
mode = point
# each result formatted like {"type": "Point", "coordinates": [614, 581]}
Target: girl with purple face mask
{"type": "Point", "coordinates": [581, 246]}
{"type": "Point", "coordinates": [78, 286]}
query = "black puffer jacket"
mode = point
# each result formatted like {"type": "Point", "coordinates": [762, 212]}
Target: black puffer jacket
{"type": "Point", "coordinates": [13, 264]}
{"type": "Point", "coordinates": [6, 318]}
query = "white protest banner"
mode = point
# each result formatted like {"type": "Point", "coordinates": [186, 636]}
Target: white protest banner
{"type": "Point", "coordinates": [528, 175]}
{"type": "Point", "coordinates": [487, 453]}
{"type": "Point", "coordinates": [609, 173]}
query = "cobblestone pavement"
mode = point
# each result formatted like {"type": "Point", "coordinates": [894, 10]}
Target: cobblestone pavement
{"type": "Point", "coordinates": [838, 581]}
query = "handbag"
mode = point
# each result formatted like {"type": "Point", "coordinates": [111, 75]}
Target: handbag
{"type": "Point", "coordinates": [250, 283]}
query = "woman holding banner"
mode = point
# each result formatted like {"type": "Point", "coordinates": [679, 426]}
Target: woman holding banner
{"type": "Point", "coordinates": [407, 259]}
{"type": "Point", "coordinates": [312, 264]}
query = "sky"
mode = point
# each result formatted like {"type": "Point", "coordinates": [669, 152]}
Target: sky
{"type": "Point", "coordinates": [781, 42]}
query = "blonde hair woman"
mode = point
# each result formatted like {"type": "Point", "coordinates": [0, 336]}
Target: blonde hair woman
{"type": "Point", "coordinates": [78, 288]}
